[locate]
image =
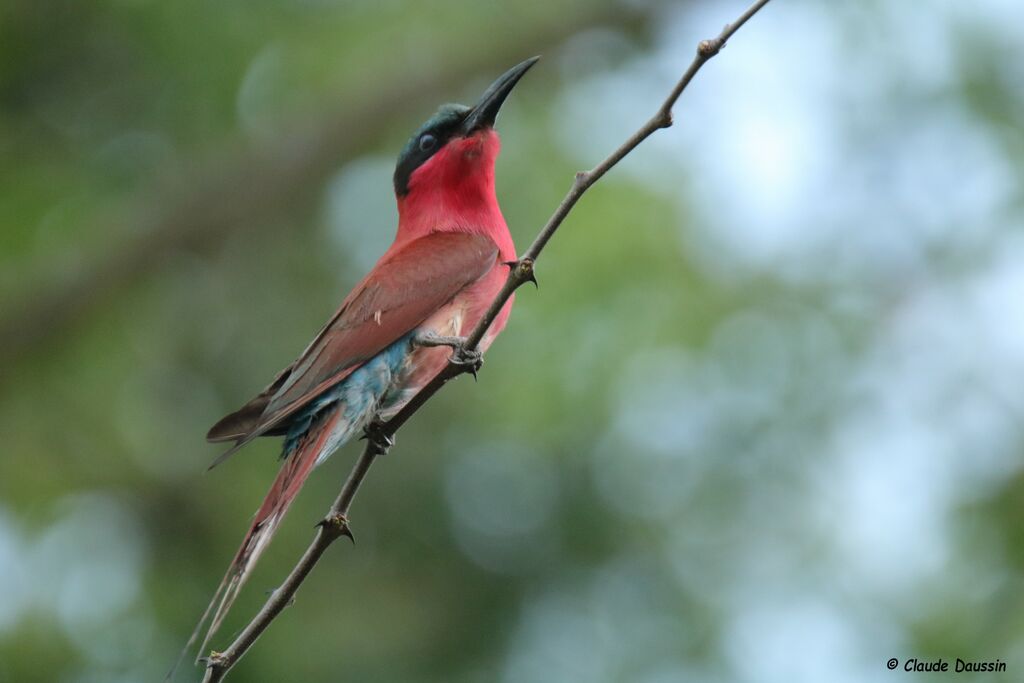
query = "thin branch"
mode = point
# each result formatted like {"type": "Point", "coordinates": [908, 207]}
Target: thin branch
{"type": "Point", "coordinates": [379, 436]}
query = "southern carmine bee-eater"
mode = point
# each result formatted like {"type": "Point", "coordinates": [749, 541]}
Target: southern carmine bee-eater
{"type": "Point", "coordinates": [448, 261]}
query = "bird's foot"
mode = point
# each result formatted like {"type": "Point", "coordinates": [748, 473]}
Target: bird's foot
{"type": "Point", "coordinates": [375, 434]}
{"type": "Point", "coordinates": [470, 360]}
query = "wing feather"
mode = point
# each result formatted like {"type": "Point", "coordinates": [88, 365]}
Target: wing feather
{"type": "Point", "coordinates": [406, 286]}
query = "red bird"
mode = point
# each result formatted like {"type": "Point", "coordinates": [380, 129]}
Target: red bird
{"type": "Point", "coordinates": [433, 284]}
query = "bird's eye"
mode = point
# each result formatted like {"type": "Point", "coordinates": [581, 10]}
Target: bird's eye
{"type": "Point", "coordinates": [427, 142]}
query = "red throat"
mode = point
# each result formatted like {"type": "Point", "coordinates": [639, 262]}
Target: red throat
{"type": "Point", "coordinates": [453, 191]}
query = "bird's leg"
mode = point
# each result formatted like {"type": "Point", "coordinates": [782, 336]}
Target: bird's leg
{"type": "Point", "coordinates": [427, 339]}
{"type": "Point", "coordinates": [471, 359]}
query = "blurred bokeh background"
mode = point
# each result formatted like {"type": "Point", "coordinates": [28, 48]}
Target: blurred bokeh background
{"type": "Point", "coordinates": [761, 422]}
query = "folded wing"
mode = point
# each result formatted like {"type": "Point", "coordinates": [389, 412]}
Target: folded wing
{"type": "Point", "coordinates": [405, 287]}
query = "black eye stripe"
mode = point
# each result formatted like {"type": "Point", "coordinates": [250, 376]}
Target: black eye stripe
{"type": "Point", "coordinates": [431, 138]}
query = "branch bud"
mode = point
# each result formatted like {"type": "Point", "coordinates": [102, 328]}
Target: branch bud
{"type": "Point", "coordinates": [708, 48]}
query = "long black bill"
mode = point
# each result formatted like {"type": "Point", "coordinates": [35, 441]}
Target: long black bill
{"type": "Point", "coordinates": [486, 110]}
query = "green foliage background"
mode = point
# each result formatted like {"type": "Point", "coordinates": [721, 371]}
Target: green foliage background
{"type": "Point", "coordinates": [761, 422]}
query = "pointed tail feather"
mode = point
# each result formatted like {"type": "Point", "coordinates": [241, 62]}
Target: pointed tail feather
{"type": "Point", "coordinates": [312, 448]}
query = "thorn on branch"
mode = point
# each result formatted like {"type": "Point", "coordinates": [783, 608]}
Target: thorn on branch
{"type": "Point", "coordinates": [524, 269]}
{"type": "Point", "coordinates": [337, 523]}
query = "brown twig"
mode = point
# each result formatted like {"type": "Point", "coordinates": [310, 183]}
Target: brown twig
{"type": "Point", "coordinates": [379, 440]}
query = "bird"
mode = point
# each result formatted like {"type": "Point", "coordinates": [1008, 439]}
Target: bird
{"type": "Point", "coordinates": [448, 261]}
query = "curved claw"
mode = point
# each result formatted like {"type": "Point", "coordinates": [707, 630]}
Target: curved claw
{"type": "Point", "coordinates": [470, 360]}
{"type": "Point", "coordinates": [374, 433]}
